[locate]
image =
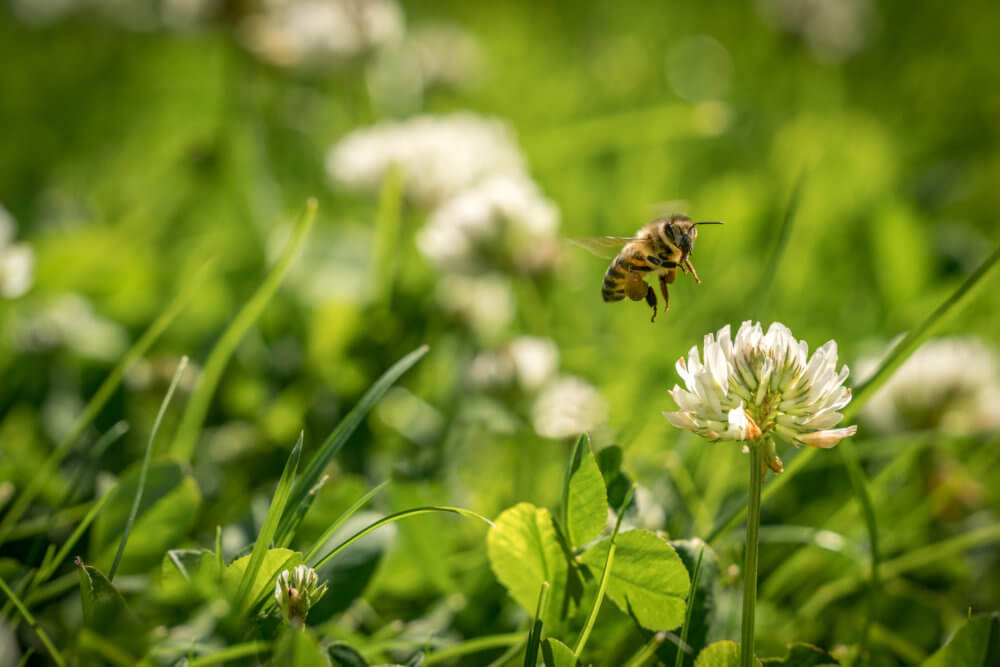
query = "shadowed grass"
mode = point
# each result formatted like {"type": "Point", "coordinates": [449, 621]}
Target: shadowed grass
{"type": "Point", "coordinates": [42, 635]}
{"type": "Point", "coordinates": [100, 398]}
{"type": "Point", "coordinates": [183, 446]}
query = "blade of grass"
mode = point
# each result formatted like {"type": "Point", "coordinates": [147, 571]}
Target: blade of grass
{"type": "Point", "coordinates": [110, 652]}
{"type": "Point", "coordinates": [86, 471]}
{"type": "Point", "coordinates": [780, 243]}
{"type": "Point", "coordinates": [475, 645]}
{"type": "Point", "coordinates": [46, 571]}
{"type": "Point", "coordinates": [348, 513]}
{"type": "Point", "coordinates": [33, 622]}
{"type": "Point", "coordinates": [396, 517]}
{"type": "Point", "coordinates": [284, 539]}
{"type": "Point", "coordinates": [647, 651]}
{"type": "Point", "coordinates": [535, 637]}
{"type": "Point", "coordinates": [100, 398]}
{"type": "Point", "coordinates": [197, 408]}
{"type": "Point", "coordinates": [865, 390]}
{"type": "Point", "coordinates": [605, 576]}
{"type": "Point", "coordinates": [268, 530]}
{"type": "Point", "coordinates": [387, 220]}
{"type": "Point", "coordinates": [340, 435]}
{"type": "Point", "coordinates": [230, 654]}
{"type": "Point", "coordinates": [145, 466]}
{"type": "Point", "coordinates": [683, 647]}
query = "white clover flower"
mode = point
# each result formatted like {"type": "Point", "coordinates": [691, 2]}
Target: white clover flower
{"type": "Point", "coordinates": [296, 591]}
{"type": "Point", "coordinates": [17, 260]}
{"type": "Point", "coordinates": [759, 384]}
{"type": "Point", "coordinates": [832, 29]}
{"type": "Point", "coordinates": [503, 219]}
{"type": "Point", "coordinates": [291, 33]}
{"type": "Point", "coordinates": [527, 360]}
{"type": "Point", "coordinates": [567, 407]}
{"type": "Point", "coordinates": [438, 155]}
{"type": "Point", "coordinates": [951, 383]}
{"type": "Point", "coordinates": [71, 321]}
{"type": "Point", "coordinates": [486, 303]}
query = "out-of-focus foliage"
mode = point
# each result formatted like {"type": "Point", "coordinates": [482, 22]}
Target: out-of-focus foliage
{"type": "Point", "coordinates": [453, 148]}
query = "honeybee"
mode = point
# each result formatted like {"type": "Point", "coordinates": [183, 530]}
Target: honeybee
{"type": "Point", "coordinates": [661, 247]}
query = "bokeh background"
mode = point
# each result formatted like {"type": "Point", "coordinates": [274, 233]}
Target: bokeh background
{"type": "Point", "coordinates": [142, 139]}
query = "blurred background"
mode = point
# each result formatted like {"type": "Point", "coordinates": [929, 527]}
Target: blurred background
{"type": "Point", "coordinates": [143, 138]}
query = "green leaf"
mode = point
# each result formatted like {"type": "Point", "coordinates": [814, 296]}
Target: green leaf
{"type": "Point", "coordinates": [314, 470]}
{"type": "Point", "coordinates": [585, 499]}
{"type": "Point", "coordinates": [524, 552]}
{"type": "Point", "coordinates": [300, 648]}
{"type": "Point", "coordinates": [617, 482]}
{"type": "Point", "coordinates": [106, 613]}
{"type": "Point", "coordinates": [648, 579]}
{"type": "Point", "coordinates": [166, 513]}
{"type": "Point", "coordinates": [270, 526]}
{"type": "Point", "coordinates": [721, 654]}
{"type": "Point", "coordinates": [342, 655]}
{"type": "Point", "coordinates": [262, 584]}
{"type": "Point", "coordinates": [557, 654]}
{"type": "Point", "coordinates": [702, 601]}
{"type": "Point", "coordinates": [976, 644]}
{"type": "Point", "coordinates": [801, 654]}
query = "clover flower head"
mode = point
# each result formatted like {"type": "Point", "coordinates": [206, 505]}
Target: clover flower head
{"type": "Point", "coordinates": [439, 156]}
{"type": "Point", "coordinates": [296, 591]}
{"type": "Point", "coordinates": [759, 385]}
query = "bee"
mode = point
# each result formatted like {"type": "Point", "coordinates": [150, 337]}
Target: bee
{"type": "Point", "coordinates": [661, 247]}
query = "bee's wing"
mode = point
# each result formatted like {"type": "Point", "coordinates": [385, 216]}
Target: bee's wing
{"type": "Point", "coordinates": [603, 246]}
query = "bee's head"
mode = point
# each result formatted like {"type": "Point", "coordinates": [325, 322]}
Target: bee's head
{"type": "Point", "coordinates": [682, 232]}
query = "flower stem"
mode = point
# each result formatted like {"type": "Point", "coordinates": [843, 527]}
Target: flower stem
{"type": "Point", "coordinates": [750, 564]}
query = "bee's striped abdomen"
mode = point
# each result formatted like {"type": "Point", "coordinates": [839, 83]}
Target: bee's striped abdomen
{"type": "Point", "coordinates": [613, 288]}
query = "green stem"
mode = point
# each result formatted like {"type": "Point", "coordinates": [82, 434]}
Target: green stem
{"type": "Point", "coordinates": [750, 566]}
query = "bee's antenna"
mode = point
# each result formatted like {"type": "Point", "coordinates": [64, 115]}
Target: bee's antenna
{"type": "Point", "coordinates": [710, 223]}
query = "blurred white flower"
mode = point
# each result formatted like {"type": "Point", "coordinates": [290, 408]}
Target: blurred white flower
{"type": "Point", "coordinates": [71, 321]}
{"type": "Point", "coordinates": [950, 383]}
{"type": "Point", "coordinates": [502, 220]}
{"type": "Point", "coordinates": [527, 360]}
{"type": "Point", "coordinates": [291, 33]}
{"type": "Point", "coordinates": [833, 29]}
{"type": "Point", "coordinates": [761, 383]}
{"type": "Point", "coordinates": [566, 407]}
{"type": "Point", "coordinates": [296, 591]}
{"type": "Point", "coordinates": [486, 303]}
{"type": "Point", "coordinates": [17, 260]}
{"type": "Point", "coordinates": [439, 155]}
{"type": "Point", "coordinates": [428, 56]}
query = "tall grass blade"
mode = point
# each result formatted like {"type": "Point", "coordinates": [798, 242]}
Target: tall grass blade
{"type": "Point", "coordinates": [683, 647]}
{"type": "Point", "coordinates": [605, 576]}
{"type": "Point", "coordinates": [340, 435]}
{"type": "Point", "coordinates": [46, 571]}
{"type": "Point", "coordinates": [864, 391]}
{"type": "Point", "coordinates": [39, 630]}
{"type": "Point", "coordinates": [387, 234]}
{"type": "Point", "coordinates": [270, 527]}
{"type": "Point", "coordinates": [145, 466]}
{"type": "Point", "coordinates": [396, 517]}
{"type": "Point", "coordinates": [197, 408]}
{"type": "Point", "coordinates": [348, 513]}
{"type": "Point", "coordinates": [778, 250]}
{"type": "Point", "coordinates": [535, 637]}
{"type": "Point", "coordinates": [101, 396]}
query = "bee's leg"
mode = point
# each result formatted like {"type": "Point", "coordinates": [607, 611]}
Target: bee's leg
{"type": "Point", "coordinates": [690, 268]}
{"type": "Point", "coordinates": [651, 300]}
{"type": "Point", "coordinates": [663, 291]}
